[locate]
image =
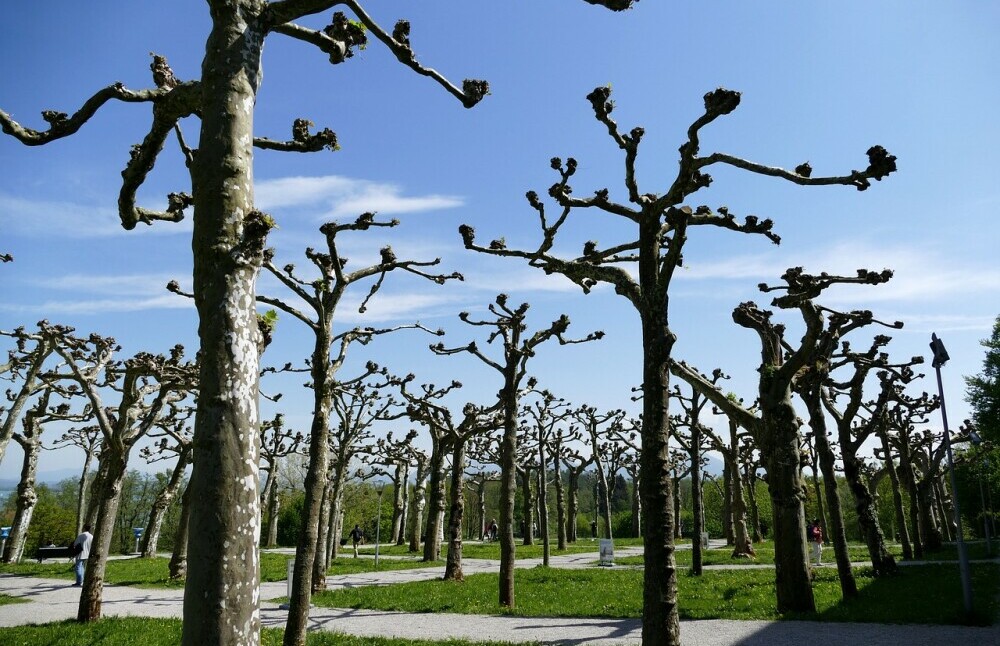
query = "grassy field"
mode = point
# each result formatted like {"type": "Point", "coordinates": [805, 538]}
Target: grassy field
{"type": "Point", "coordinates": [167, 632]}
{"type": "Point", "coordinates": [925, 594]}
{"type": "Point", "coordinates": [153, 573]}
{"type": "Point", "coordinates": [765, 555]}
{"type": "Point", "coordinates": [477, 550]}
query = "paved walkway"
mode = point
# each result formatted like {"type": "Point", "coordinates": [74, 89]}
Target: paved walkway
{"type": "Point", "coordinates": [56, 600]}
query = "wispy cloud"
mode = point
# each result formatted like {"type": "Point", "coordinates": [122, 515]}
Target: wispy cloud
{"type": "Point", "coordinates": [100, 294]}
{"type": "Point", "coordinates": [337, 196]}
{"type": "Point", "coordinates": [30, 217]}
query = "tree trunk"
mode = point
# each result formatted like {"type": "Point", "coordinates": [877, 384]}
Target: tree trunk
{"type": "Point", "coordinates": [453, 569]}
{"type": "Point", "coordinates": [317, 477]}
{"type": "Point", "coordinates": [728, 531]}
{"type": "Point", "coordinates": [864, 504]}
{"type": "Point", "coordinates": [398, 487]}
{"type": "Point", "coordinates": [676, 494]}
{"type": "Point", "coordinates": [151, 536]}
{"type": "Point", "coordinates": [508, 485]}
{"type": "Point", "coordinates": [178, 560]}
{"type": "Point", "coordinates": [273, 508]}
{"type": "Point", "coordinates": [820, 510]}
{"type": "Point", "coordinates": [636, 507]}
{"type": "Point", "coordinates": [481, 503]}
{"type": "Point", "coordinates": [572, 505]}
{"type": "Point", "coordinates": [946, 523]}
{"type": "Point", "coordinates": [221, 602]}
{"type": "Point", "coordinates": [787, 490]}
{"type": "Point", "coordinates": [835, 530]}
{"type": "Point", "coordinates": [404, 518]}
{"type": "Point", "coordinates": [527, 507]}
{"type": "Point", "coordinates": [543, 504]}
{"type": "Point", "coordinates": [417, 504]}
{"type": "Point", "coordinates": [27, 498]}
{"type": "Point", "coordinates": [435, 504]}
{"type": "Point", "coordinates": [751, 485]}
{"type": "Point", "coordinates": [909, 479]}
{"type": "Point", "coordinates": [81, 495]}
{"type": "Point", "coordinates": [89, 608]}
{"type": "Point", "coordinates": [897, 499]}
{"type": "Point", "coordinates": [603, 490]}
{"type": "Point", "coordinates": [694, 454]}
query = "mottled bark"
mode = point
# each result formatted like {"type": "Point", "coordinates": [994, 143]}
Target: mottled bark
{"type": "Point", "coordinates": [109, 495]}
{"type": "Point", "coordinates": [527, 506]}
{"type": "Point", "coordinates": [864, 504]}
{"type": "Point", "coordinates": [897, 498]}
{"type": "Point", "coordinates": [25, 501]}
{"type": "Point", "coordinates": [572, 505]}
{"type": "Point", "coordinates": [417, 504]}
{"type": "Point", "coordinates": [221, 602]}
{"type": "Point", "coordinates": [453, 568]}
{"type": "Point", "coordinates": [727, 504]}
{"type": "Point", "coordinates": [398, 502]}
{"type": "Point", "coordinates": [435, 502]}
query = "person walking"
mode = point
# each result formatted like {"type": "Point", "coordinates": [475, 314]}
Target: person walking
{"type": "Point", "coordinates": [81, 551]}
{"type": "Point", "coordinates": [816, 536]}
{"type": "Point", "coordinates": [356, 536]}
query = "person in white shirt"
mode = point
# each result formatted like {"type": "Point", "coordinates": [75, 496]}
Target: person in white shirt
{"type": "Point", "coordinates": [81, 547]}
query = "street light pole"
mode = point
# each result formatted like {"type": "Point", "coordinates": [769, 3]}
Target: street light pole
{"type": "Point", "coordinates": [940, 358]}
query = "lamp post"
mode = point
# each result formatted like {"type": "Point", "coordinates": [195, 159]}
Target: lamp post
{"type": "Point", "coordinates": [940, 358]}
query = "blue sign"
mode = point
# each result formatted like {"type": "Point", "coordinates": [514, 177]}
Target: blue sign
{"type": "Point", "coordinates": [4, 532]}
{"type": "Point", "coordinates": [137, 531]}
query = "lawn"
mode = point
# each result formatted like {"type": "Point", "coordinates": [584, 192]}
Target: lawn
{"type": "Point", "coordinates": [167, 632]}
{"type": "Point", "coordinates": [924, 594]}
{"type": "Point", "coordinates": [765, 555]}
{"type": "Point", "coordinates": [478, 550]}
{"type": "Point", "coordinates": [154, 573]}
{"type": "Point", "coordinates": [6, 599]}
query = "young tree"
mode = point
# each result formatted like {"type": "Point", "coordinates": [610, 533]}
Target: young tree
{"type": "Point", "coordinates": [662, 224]}
{"type": "Point", "coordinates": [276, 444]}
{"type": "Point", "coordinates": [547, 414]}
{"type": "Point", "coordinates": [518, 346]}
{"type": "Point", "coordinates": [87, 439]}
{"type": "Point", "coordinates": [175, 444]}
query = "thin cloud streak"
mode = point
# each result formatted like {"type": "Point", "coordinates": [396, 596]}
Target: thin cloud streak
{"type": "Point", "coordinates": [345, 196]}
{"type": "Point", "coordinates": [34, 218]}
{"type": "Point", "coordinates": [102, 306]}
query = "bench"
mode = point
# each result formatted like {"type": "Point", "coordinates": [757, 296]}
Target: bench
{"type": "Point", "coordinates": [54, 552]}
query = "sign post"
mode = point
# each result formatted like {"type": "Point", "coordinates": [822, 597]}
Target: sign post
{"type": "Point", "coordinates": [138, 534]}
{"type": "Point", "coordinates": [607, 552]}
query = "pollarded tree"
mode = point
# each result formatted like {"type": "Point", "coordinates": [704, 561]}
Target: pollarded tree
{"type": "Point", "coordinates": [87, 439]}
{"type": "Point", "coordinates": [509, 328]}
{"type": "Point", "coordinates": [148, 385]}
{"type": "Point", "coordinates": [560, 442]}
{"type": "Point", "coordinates": [323, 295]}
{"type": "Point", "coordinates": [30, 439]}
{"type": "Point", "coordinates": [222, 602]}
{"type": "Point", "coordinates": [393, 458]}
{"type": "Point", "coordinates": [276, 444]}
{"type": "Point", "coordinates": [23, 365]}
{"type": "Point", "coordinates": [662, 222]}
{"type": "Point", "coordinates": [548, 414]}
{"type": "Point", "coordinates": [856, 422]}
{"type": "Point", "coordinates": [594, 426]}
{"type": "Point", "coordinates": [695, 442]}
{"type": "Point", "coordinates": [476, 480]}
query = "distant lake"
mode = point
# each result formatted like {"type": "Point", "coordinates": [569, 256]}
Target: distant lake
{"type": "Point", "coordinates": [4, 493]}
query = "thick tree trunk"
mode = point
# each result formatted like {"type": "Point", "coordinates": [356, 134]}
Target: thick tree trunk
{"type": "Point", "coordinates": [435, 503]}
{"type": "Point", "coordinates": [603, 490]}
{"type": "Point", "coordinates": [151, 536]}
{"type": "Point", "coordinates": [864, 504]}
{"type": "Point", "coordinates": [417, 504]}
{"type": "Point", "coordinates": [273, 508]}
{"type": "Point", "coordinates": [222, 602]}
{"type": "Point", "coordinates": [787, 490]}
{"type": "Point", "coordinates": [751, 485]}
{"type": "Point", "coordinates": [178, 559]}
{"type": "Point", "coordinates": [27, 498]}
{"type": "Point", "coordinates": [835, 530]}
{"type": "Point", "coordinates": [946, 522]}
{"type": "Point", "coordinates": [94, 499]}
{"type": "Point", "coordinates": [660, 623]}
{"type": "Point", "coordinates": [91, 595]}
{"type": "Point", "coordinates": [909, 479]}
{"type": "Point", "coordinates": [636, 507]}
{"type": "Point", "coordinates": [453, 569]}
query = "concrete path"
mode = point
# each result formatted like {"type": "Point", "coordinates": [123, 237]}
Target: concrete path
{"type": "Point", "coordinates": [55, 600]}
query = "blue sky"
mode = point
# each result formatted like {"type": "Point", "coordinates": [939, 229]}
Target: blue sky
{"type": "Point", "coordinates": [820, 81]}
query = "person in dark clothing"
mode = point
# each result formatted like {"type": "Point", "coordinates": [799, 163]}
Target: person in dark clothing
{"type": "Point", "coordinates": [356, 536]}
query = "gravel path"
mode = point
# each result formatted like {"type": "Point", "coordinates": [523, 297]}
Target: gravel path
{"type": "Point", "coordinates": [55, 600]}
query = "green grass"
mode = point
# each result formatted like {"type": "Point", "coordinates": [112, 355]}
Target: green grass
{"type": "Point", "coordinates": [6, 599]}
{"type": "Point", "coordinates": [925, 594]}
{"type": "Point", "coordinates": [478, 550]}
{"type": "Point", "coordinates": [765, 556]}
{"type": "Point", "coordinates": [154, 573]}
{"type": "Point", "coordinates": [167, 632]}
{"type": "Point", "coordinates": [976, 550]}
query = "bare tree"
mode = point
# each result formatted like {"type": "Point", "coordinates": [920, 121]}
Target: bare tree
{"type": "Point", "coordinates": [548, 415]}
{"type": "Point", "coordinates": [594, 426]}
{"type": "Point", "coordinates": [509, 328]}
{"type": "Point", "coordinates": [662, 222]}
{"type": "Point", "coordinates": [276, 444]}
{"type": "Point", "coordinates": [23, 365]}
